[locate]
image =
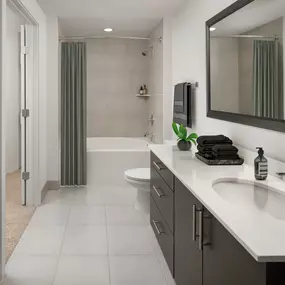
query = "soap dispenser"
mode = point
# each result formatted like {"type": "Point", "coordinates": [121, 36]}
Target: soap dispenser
{"type": "Point", "coordinates": [260, 165]}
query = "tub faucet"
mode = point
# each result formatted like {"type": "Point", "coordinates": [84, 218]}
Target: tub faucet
{"type": "Point", "coordinates": [151, 119]}
{"type": "Point", "coordinates": [149, 135]}
{"type": "Point", "coordinates": [281, 175]}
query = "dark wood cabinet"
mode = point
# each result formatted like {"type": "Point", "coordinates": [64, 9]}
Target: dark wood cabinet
{"type": "Point", "coordinates": [225, 262]}
{"type": "Point", "coordinates": [188, 256]}
{"type": "Point", "coordinates": [162, 208]}
{"type": "Point", "coordinates": [163, 234]}
{"type": "Point", "coordinates": [163, 171]}
{"type": "Point", "coordinates": [163, 197]}
{"type": "Point", "coordinates": [199, 250]}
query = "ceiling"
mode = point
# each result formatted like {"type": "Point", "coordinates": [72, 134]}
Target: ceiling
{"type": "Point", "coordinates": [126, 17]}
{"type": "Point", "coordinates": [254, 15]}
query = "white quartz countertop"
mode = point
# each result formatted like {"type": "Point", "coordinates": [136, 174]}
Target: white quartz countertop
{"type": "Point", "coordinates": [262, 234]}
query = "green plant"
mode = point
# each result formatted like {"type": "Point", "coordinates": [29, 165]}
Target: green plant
{"type": "Point", "coordinates": [182, 135]}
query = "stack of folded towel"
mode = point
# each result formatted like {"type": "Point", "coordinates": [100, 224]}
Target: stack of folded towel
{"type": "Point", "coordinates": [217, 147]}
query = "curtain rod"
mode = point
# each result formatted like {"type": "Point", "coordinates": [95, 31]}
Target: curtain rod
{"type": "Point", "coordinates": [105, 37]}
{"type": "Point", "coordinates": [250, 36]}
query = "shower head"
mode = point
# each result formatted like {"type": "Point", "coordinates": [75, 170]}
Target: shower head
{"type": "Point", "coordinates": [148, 51]}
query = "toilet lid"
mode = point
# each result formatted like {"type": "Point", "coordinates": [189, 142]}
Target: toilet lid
{"type": "Point", "coordinates": [138, 174]}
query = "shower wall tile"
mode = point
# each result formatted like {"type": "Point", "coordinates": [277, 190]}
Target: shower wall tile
{"type": "Point", "coordinates": [115, 71]}
{"type": "Point", "coordinates": [156, 85]}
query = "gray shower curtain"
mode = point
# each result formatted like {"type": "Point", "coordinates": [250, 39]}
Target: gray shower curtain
{"type": "Point", "coordinates": [73, 114]}
{"type": "Point", "coordinates": [266, 79]}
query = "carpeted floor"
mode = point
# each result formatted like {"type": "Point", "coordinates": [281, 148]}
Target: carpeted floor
{"type": "Point", "coordinates": [17, 216]}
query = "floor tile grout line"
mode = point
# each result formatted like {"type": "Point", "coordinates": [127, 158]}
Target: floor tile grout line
{"type": "Point", "coordinates": [108, 249]}
{"type": "Point", "coordinates": [61, 246]}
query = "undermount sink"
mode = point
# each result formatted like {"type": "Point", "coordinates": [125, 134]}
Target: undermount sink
{"type": "Point", "coordinates": [252, 196]}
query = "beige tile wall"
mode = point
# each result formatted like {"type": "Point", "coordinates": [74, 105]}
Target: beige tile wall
{"type": "Point", "coordinates": [156, 84]}
{"type": "Point", "coordinates": [115, 71]}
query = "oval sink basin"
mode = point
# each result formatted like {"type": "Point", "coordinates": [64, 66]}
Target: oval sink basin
{"type": "Point", "coordinates": [252, 196]}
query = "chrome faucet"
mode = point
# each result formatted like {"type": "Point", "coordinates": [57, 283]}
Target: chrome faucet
{"type": "Point", "coordinates": [281, 175]}
{"type": "Point", "coordinates": [151, 119]}
{"type": "Point", "coordinates": [149, 135]}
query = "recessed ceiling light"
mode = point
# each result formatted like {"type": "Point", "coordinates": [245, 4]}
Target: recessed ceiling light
{"type": "Point", "coordinates": [108, 30]}
{"type": "Point", "coordinates": [212, 29]}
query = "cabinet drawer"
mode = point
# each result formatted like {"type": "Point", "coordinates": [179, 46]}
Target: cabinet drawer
{"type": "Point", "coordinates": [163, 233]}
{"type": "Point", "coordinates": [163, 171]}
{"type": "Point", "coordinates": [163, 196]}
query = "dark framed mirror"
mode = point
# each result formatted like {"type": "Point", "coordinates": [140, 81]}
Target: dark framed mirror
{"type": "Point", "coordinates": [245, 64]}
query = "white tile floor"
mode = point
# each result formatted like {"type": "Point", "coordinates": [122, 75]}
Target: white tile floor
{"type": "Point", "coordinates": [88, 236]}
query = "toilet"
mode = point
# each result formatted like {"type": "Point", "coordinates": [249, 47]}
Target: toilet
{"type": "Point", "coordinates": [140, 179]}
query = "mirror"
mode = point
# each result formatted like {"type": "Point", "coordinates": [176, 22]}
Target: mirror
{"type": "Point", "coordinates": [245, 64]}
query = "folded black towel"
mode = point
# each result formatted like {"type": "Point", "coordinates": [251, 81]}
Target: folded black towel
{"type": "Point", "coordinates": [211, 156]}
{"type": "Point", "coordinates": [205, 149]}
{"type": "Point", "coordinates": [207, 155]}
{"type": "Point", "coordinates": [227, 157]}
{"type": "Point", "coordinates": [225, 149]}
{"type": "Point", "coordinates": [212, 140]}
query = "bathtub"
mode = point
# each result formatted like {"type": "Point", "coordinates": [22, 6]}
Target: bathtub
{"type": "Point", "coordinates": [109, 158]}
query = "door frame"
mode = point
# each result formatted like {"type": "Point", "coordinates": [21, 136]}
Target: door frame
{"type": "Point", "coordinates": [33, 197]}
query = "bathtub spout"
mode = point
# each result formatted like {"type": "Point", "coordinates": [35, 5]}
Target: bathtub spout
{"type": "Point", "coordinates": [149, 135]}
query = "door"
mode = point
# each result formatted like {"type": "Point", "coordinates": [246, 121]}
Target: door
{"type": "Point", "coordinates": [24, 114]}
{"type": "Point", "coordinates": [188, 254]}
{"type": "Point", "coordinates": [226, 262]}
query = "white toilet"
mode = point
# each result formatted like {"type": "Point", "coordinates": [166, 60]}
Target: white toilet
{"type": "Point", "coordinates": [140, 179]}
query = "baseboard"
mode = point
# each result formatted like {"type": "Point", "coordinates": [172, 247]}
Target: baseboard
{"type": "Point", "coordinates": [49, 185]}
{"type": "Point", "coordinates": [53, 185]}
{"type": "Point", "coordinates": [44, 191]}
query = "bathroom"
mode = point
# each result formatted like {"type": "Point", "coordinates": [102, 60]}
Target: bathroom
{"type": "Point", "coordinates": [134, 100]}
{"type": "Point", "coordinates": [121, 202]}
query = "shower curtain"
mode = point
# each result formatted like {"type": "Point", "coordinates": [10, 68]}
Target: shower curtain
{"type": "Point", "coordinates": [73, 114]}
{"type": "Point", "coordinates": [268, 94]}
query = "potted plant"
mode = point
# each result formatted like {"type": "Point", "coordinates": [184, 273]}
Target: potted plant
{"type": "Point", "coordinates": [185, 141]}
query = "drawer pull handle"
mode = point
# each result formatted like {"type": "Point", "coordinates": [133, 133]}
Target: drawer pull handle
{"type": "Point", "coordinates": [158, 192]}
{"type": "Point", "coordinates": [201, 230]}
{"type": "Point", "coordinates": [194, 223]}
{"type": "Point", "coordinates": [156, 165]}
{"type": "Point", "coordinates": [157, 227]}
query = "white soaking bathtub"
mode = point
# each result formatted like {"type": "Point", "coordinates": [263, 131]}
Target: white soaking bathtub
{"type": "Point", "coordinates": [109, 158]}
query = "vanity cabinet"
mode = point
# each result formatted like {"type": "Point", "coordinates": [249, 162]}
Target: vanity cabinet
{"type": "Point", "coordinates": [199, 250]}
{"type": "Point", "coordinates": [162, 208]}
{"type": "Point", "coordinates": [188, 257]}
{"type": "Point", "coordinates": [225, 261]}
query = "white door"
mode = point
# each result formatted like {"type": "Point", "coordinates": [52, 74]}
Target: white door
{"type": "Point", "coordinates": [24, 114]}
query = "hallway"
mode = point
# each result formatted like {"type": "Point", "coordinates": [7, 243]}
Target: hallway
{"type": "Point", "coordinates": [17, 216]}
{"type": "Point", "coordinates": [88, 236]}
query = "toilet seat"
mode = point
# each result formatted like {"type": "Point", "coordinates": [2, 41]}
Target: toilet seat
{"type": "Point", "coordinates": [138, 174]}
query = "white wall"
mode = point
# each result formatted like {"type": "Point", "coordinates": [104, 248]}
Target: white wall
{"type": "Point", "coordinates": [53, 98]}
{"type": "Point", "coordinates": [115, 71]}
{"type": "Point", "coordinates": [189, 64]}
{"type": "Point", "coordinates": [13, 99]}
{"type": "Point", "coordinates": [168, 89]}
{"type": "Point", "coordinates": [156, 83]}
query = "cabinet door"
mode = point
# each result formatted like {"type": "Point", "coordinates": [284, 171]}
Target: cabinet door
{"type": "Point", "coordinates": [188, 257]}
{"type": "Point", "coordinates": [226, 262]}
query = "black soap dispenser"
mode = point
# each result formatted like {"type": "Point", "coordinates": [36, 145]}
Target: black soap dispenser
{"type": "Point", "coordinates": [260, 165]}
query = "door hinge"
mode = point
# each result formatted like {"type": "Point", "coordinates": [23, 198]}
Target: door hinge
{"type": "Point", "coordinates": [26, 176]}
{"type": "Point", "coordinates": [24, 50]}
{"type": "Point", "coordinates": [25, 113]}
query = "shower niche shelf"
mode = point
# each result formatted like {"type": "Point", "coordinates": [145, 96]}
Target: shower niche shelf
{"type": "Point", "coordinates": [143, 96]}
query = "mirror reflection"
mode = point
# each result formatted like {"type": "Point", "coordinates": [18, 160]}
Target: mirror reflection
{"type": "Point", "coordinates": [246, 55]}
